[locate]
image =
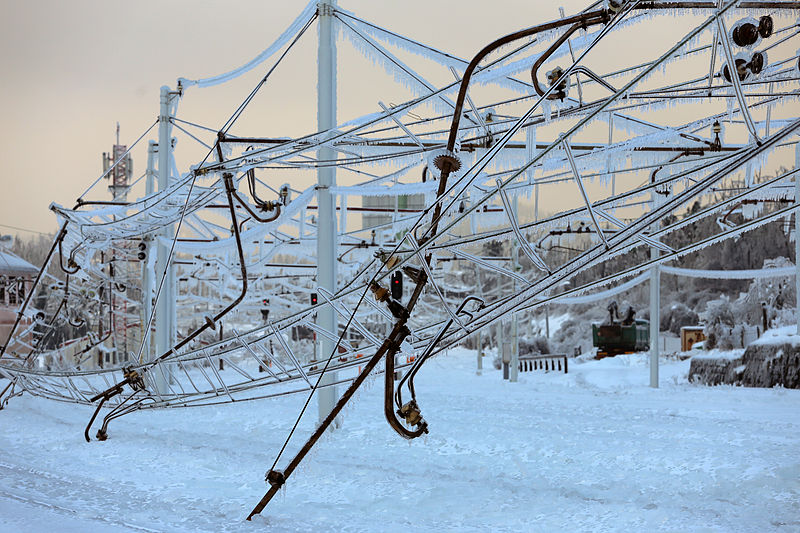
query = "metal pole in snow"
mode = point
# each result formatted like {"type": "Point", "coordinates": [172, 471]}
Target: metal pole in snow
{"type": "Point", "coordinates": [165, 307]}
{"type": "Point", "coordinates": [655, 305]}
{"type": "Point", "coordinates": [326, 178]}
{"type": "Point", "coordinates": [547, 322]}
{"type": "Point", "coordinates": [147, 272]}
{"type": "Point", "coordinates": [480, 354]}
{"type": "Point", "coordinates": [513, 373]}
{"type": "Point", "coordinates": [479, 371]}
{"type": "Point", "coordinates": [610, 140]}
{"type": "Point", "coordinates": [796, 239]}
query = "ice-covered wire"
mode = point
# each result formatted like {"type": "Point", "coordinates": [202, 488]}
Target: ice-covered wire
{"type": "Point", "coordinates": [192, 136]}
{"type": "Point", "coordinates": [598, 109]}
{"type": "Point", "coordinates": [261, 83]}
{"type": "Point", "coordinates": [167, 264]}
{"type": "Point", "coordinates": [309, 12]}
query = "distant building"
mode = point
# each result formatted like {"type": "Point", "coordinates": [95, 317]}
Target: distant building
{"type": "Point", "coordinates": [383, 208]}
{"type": "Point", "coordinates": [16, 280]}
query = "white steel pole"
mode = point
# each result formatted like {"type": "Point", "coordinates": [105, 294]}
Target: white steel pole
{"type": "Point", "coordinates": [147, 272]}
{"type": "Point", "coordinates": [479, 370]}
{"type": "Point", "coordinates": [165, 307]}
{"type": "Point", "coordinates": [326, 178]}
{"type": "Point", "coordinates": [547, 322]}
{"type": "Point", "coordinates": [655, 305]}
{"type": "Point", "coordinates": [796, 239]}
{"type": "Point", "coordinates": [610, 141]}
{"type": "Point", "coordinates": [500, 347]}
{"type": "Point", "coordinates": [513, 372]}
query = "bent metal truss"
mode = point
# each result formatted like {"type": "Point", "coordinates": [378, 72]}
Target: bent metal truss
{"type": "Point", "coordinates": [563, 124]}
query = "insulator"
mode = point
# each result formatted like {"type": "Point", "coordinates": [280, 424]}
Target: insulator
{"type": "Point", "coordinates": [758, 62]}
{"type": "Point", "coordinates": [745, 34]}
{"type": "Point", "coordinates": [414, 274]}
{"type": "Point", "coordinates": [614, 6]}
{"type": "Point", "coordinates": [275, 478]}
{"type": "Point", "coordinates": [741, 68]}
{"type": "Point", "coordinates": [765, 26]}
{"type": "Point", "coordinates": [381, 293]}
{"type": "Point", "coordinates": [446, 157]}
{"type": "Point", "coordinates": [562, 89]}
{"type": "Point", "coordinates": [285, 194]}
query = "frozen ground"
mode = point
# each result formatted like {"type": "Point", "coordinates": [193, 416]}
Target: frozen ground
{"type": "Point", "coordinates": [595, 450]}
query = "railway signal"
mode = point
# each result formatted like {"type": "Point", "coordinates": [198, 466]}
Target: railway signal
{"type": "Point", "coordinates": [397, 285]}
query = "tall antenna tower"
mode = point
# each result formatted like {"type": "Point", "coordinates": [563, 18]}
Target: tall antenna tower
{"type": "Point", "coordinates": [121, 165]}
{"type": "Point", "coordinates": [120, 175]}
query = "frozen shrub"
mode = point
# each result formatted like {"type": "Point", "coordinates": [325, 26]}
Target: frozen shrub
{"type": "Point", "coordinates": [719, 320]}
{"type": "Point", "coordinates": [573, 333]}
{"type": "Point", "coordinates": [775, 294]}
{"type": "Point", "coordinates": [725, 320]}
{"type": "Point", "coordinates": [535, 345]}
{"type": "Point", "coordinates": [677, 315]}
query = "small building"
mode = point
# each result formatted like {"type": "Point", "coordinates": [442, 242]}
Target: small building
{"type": "Point", "coordinates": [16, 280]}
{"type": "Point", "coordinates": [381, 210]}
{"type": "Point", "coordinates": [691, 335]}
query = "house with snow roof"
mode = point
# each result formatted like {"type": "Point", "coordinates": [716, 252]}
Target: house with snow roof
{"type": "Point", "coordinates": [16, 279]}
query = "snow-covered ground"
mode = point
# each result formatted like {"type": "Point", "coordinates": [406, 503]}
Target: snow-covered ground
{"type": "Point", "coordinates": [594, 450]}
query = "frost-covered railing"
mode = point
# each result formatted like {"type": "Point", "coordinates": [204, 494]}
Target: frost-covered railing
{"type": "Point", "coordinates": [546, 362]}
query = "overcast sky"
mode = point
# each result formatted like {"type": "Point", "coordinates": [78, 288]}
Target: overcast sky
{"type": "Point", "coordinates": [71, 70]}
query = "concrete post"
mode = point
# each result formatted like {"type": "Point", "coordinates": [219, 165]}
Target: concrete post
{"type": "Point", "coordinates": [547, 322]}
{"type": "Point", "coordinates": [513, 374]}
{"type": "Point", "coordinates": [147, 272]}
{"type": "Point", "coordinates": [479, 371]}
{"type": "Point", "coordinates": [655, 307]}
{"type": "Point", "coordinates": [326, 178]}
{"type": "Point", "coordinates": [165, 307]}
{"type": "Point", "coordinates": [796, 235]}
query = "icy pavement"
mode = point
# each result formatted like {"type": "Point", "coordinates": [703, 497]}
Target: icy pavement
{"type": "Point", "coordinates": [594, 450]}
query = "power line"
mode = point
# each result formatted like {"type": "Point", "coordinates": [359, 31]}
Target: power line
{"type": "Point", "coordinates": [28, 230]}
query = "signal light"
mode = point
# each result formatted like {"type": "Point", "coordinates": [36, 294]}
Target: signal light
{"type": "Point", "coordinates": [397, 285]}
{"type": "Point", "coordinates": [313, 298]}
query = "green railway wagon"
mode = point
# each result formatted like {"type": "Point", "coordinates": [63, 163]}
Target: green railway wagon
{"type": "Point", "coordinates": [613, 339]}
